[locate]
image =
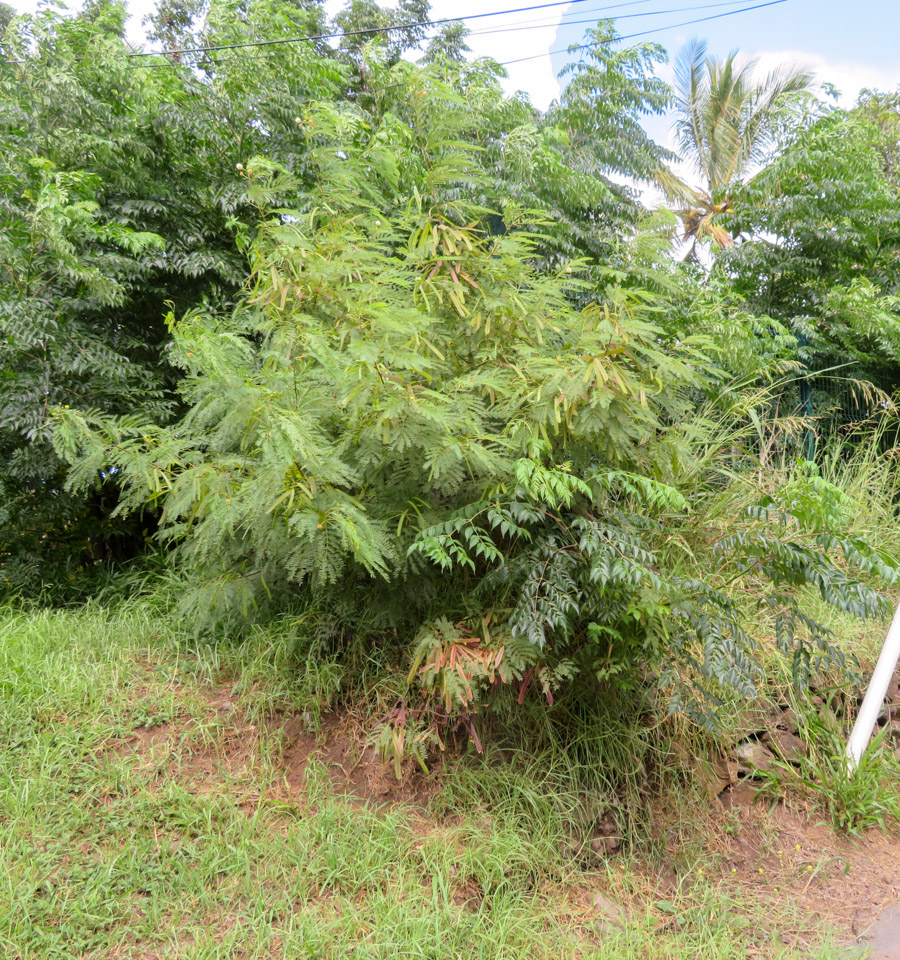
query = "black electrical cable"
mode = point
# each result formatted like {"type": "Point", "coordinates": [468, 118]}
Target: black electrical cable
{"type": "Point", "coordinates": [370, 31]}
{"type": "Point", "coordinates": [625, 16]}
{"type": "Point", "coordinates": [642, 33]}
{"type": "Point", "coordinates": [511, 29]}
{"type": "Point", "coordinates": [516, 29]}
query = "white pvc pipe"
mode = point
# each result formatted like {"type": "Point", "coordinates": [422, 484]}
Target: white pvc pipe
{"type": "Point", "coordinates": [874, 698]}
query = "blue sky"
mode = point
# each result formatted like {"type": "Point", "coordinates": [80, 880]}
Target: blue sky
{"type": "Point", "coordinates": [850, 44]}
{"type": "Point", "coordinates": [864, 32]}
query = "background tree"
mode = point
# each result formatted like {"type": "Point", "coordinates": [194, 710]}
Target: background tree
{"type": "Point", "coordinates": [365, 21]}
{"type": "Point", "coordinates": [172, 22]}
{"type": "Point", "coordinates": [449, 43]}
{"type": "Point", "coordinates": [820, 246]}
{"type": "Point", "coordinates": [576, 161]}
{"type": "Point", "coordinates": [7, 13]}
{"type": "Point", "coordinates": [99, 148]}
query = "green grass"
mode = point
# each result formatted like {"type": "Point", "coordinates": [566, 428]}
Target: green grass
{"type": "Point", "coordinates": [139, 820]}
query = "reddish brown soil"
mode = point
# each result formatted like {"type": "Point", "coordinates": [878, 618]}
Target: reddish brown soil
{"type": "Point", "coordinates": [352, 763]}
{"type": "Point", "coordinates": [339, 743]}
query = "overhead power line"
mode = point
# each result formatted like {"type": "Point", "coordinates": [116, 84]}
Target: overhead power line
{"type": "Point", "coordinates": [372, 31]}
{"type": "Point", "coordinates": [643, 33]}
{"type": "Point", "coordinates": [616, 39]}
{"type": "Point", "coordinates": [515, 28]}
{"type": "Point", "coordinates": [476, 16]}
{"type": "Point", "coordinates": [369, 31]}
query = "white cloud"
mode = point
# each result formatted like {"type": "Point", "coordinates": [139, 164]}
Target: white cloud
{"type": "Point", "coordinates": [848, 76]}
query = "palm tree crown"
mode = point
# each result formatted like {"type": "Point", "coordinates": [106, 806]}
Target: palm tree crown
{"type": "Point", "coordinates": [727, 123]}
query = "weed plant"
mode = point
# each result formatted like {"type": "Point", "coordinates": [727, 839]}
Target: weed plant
{"type": "Point", "coordinates": [854, 799]}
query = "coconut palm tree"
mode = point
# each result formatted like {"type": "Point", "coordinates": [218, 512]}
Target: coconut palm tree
{"type": "Point", "coordinates": [727, 124]}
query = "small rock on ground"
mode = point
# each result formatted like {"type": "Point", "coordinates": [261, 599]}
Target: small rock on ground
{"type": "Point", "coordinates": [611, 915]}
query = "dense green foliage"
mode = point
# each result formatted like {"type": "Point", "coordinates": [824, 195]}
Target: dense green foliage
{"type": "Point", "coordinates": [823, 259]}
{"type": "Point", "coordinates": [371, 340]}
{"type": "Point", "coordinates": [104, 221]}
{"type": "Point", "coordinates": [121, 195]}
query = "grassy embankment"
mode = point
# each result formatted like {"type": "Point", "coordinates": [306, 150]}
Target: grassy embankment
{"type": "Point", "coordinates": [160, 798]}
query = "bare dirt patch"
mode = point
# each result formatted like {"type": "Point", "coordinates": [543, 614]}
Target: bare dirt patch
{"type": "Point", "coordinates": [222, 748]}
{"type": "Point", "coordinates": [759, 851]}
{"type": "Point", "coordinates": [844, 881]}
{"type": "Point", "coordinates": [353, 764]}
{"type": "Point", "coordinates": [207, 752]}
{"type": "Point", "coordinates": [146, 737]}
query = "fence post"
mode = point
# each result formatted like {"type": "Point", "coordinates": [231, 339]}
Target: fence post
{"type": "Point", "coordinates": [874, 698]}
{"type": "Point", "coordinates": [806, 404]}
